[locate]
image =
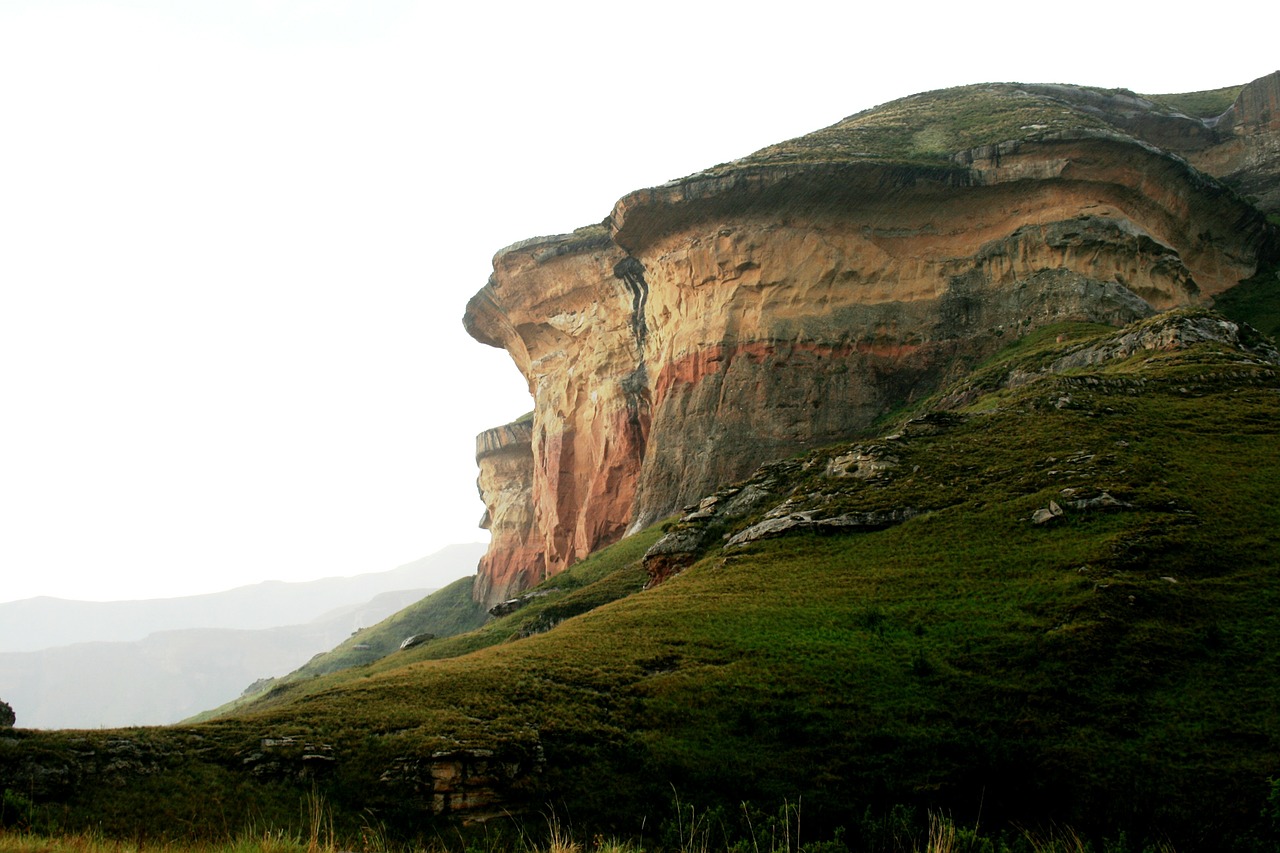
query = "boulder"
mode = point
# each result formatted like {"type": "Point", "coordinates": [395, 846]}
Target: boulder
{"type": "Point", "coordinates": [415, 640]}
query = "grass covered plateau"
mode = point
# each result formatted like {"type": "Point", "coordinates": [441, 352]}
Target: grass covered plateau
{"type": "Point", "coordinates": [931, 127]}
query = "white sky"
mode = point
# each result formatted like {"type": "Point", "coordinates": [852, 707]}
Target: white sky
{"type": "Point", "coordinates": [237, 236]}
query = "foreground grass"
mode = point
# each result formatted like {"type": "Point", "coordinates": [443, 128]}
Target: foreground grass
{"type": "Point", "coordinates": [13, 842]}
{"type": "Point", "coordinates": [690, 834]}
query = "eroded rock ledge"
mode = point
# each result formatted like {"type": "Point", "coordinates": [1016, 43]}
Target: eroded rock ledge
{"type": "Point", "coordinates": [742, 315]}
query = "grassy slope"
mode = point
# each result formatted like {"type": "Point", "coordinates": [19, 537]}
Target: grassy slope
{"type": "Point", "coordinates": [931, 126]}
{"type": "Point", "coordinates": [928, 128]}
{"type": "Point", "coordinates": [1256, 301]}
{"type": "Point", "coordinates": [1115, 670]}
{"type": "Point", "coordinates": [609, 575]}
{"type": "Point", "coordinates": [967, 655]}
{"type": "Point", "coordinates": [444, 613]}
{"type": "Point", "coordinates": [1207, 104]}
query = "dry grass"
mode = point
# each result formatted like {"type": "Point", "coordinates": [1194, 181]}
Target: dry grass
{"type": "Point", "coordinates": [694, 837]}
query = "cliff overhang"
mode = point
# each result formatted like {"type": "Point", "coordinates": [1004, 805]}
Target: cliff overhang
{"type": "Point", "coordinates": [789, 299]}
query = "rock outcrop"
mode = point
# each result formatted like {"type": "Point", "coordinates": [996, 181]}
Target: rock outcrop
{"type": "Point", "coordinates": [842, 489]}
{"type": "Point", "coordinates": [474, 785]}
{"type": "Point", "coordinates": [566, 313]}
{"type": "Point", "coordinates": [1248, 156]}
{"type": "Point", "coordinates": [514, 561]}
{"type": "Point", "coordinates": [785, 301]}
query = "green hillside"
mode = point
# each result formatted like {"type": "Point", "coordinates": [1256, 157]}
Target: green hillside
{"type": "Point", "coordinates": [1113, 669]}
{"type": "Point", "coordinates": [930, 127]}
{"type": "Point", "coordinates": [444, 613]}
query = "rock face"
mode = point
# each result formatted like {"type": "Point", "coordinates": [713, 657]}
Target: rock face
{"type": "Point", "coordinates": [566, 316]}
{"type": "Point", "coordinates": [1248, 157]}
{"type": "Point", "coordinates": [785, 301]}
{"type": "Point", "coordinates": [473, 784]}
{"type": "Point", "coordinates": [514, 561]}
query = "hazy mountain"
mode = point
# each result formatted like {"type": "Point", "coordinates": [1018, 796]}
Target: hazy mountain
{"type": "Point", "coordinates": [125, 663]}
{"type": "Point", "coordinates": [171, 675]}
{"type": "Point", "coordinates": [41, 623]}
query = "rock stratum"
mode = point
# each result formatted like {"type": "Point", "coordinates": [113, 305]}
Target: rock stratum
{"type": "Point", "coordinates": [789, 299]}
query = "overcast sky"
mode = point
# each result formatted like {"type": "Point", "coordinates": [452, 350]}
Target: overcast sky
{"type": "Point", "coordinates": [237, 236]}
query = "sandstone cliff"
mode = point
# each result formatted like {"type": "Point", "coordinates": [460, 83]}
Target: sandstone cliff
{"type": "Point", "coordinates": [514, 560]}
{"type": "Point", "coordinates": [789, 299]}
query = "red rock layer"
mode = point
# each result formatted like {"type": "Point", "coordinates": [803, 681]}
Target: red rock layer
{"type": "Point", "coordinates": [514, 561]}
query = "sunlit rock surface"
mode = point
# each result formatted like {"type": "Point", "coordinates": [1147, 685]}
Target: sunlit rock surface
{"type": "Point", "coordinates": [787, 300]}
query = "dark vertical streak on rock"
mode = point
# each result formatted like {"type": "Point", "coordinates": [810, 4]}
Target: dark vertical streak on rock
{"type": "Point", "coordinates": [636, 384]}
{"type": "Point", "coordinates": [631, 273]}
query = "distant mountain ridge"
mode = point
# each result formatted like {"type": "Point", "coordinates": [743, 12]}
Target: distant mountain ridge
{"type": "Point", "coordinates": [171, 675]}
{"type": "Point", "coordinates": [42, 623]}
{"type": "Point", "coordinates": [198, 652]}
